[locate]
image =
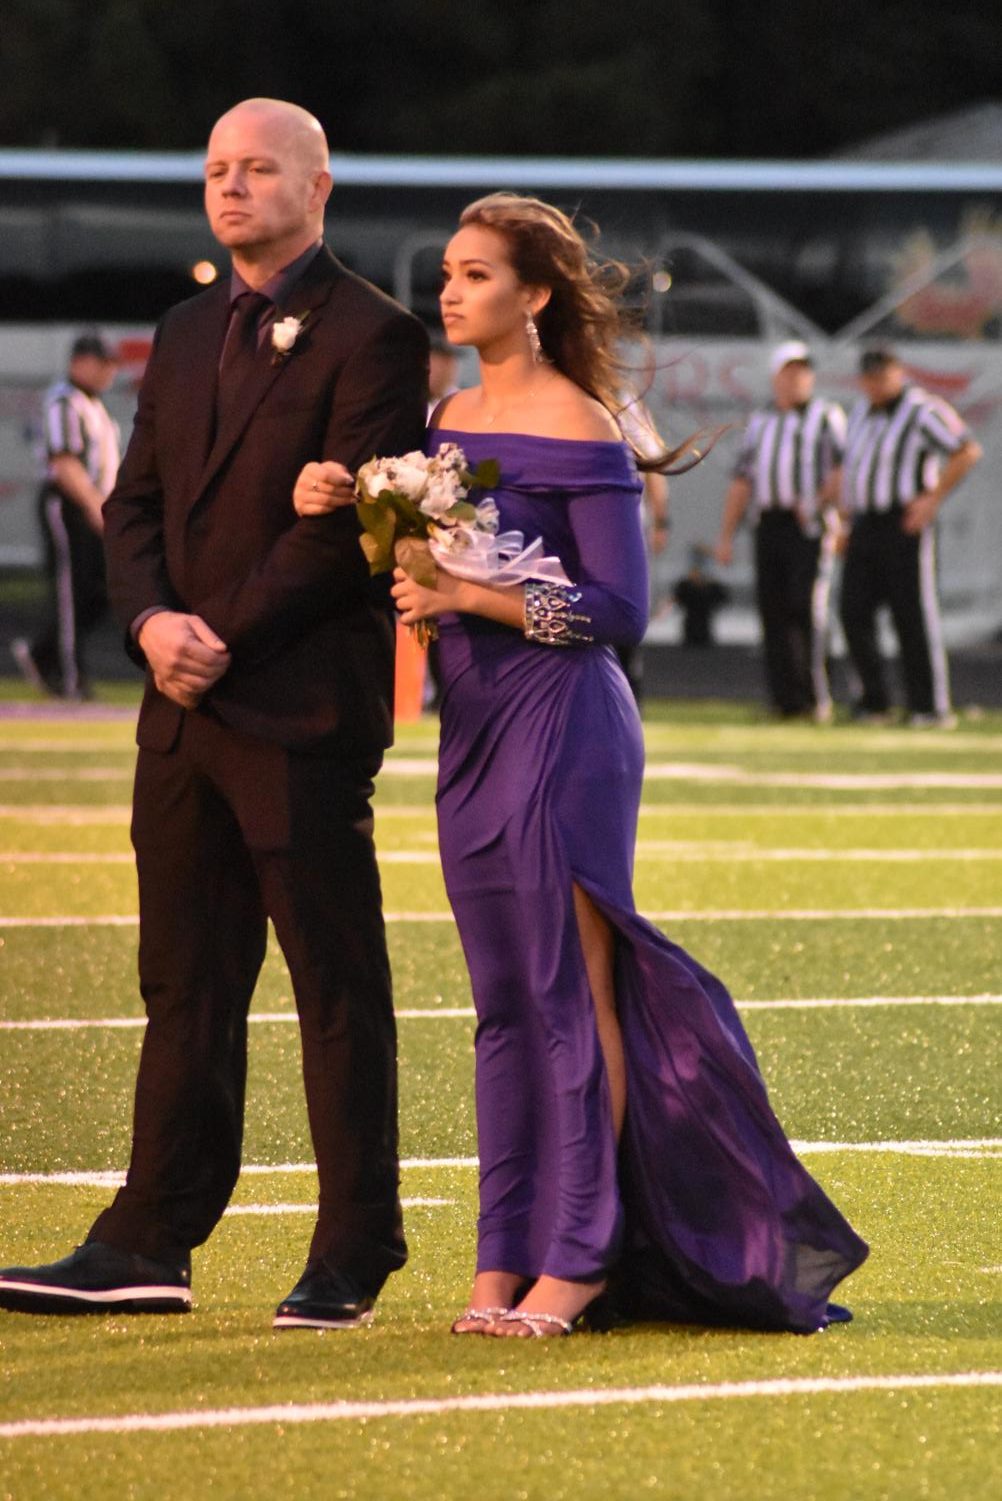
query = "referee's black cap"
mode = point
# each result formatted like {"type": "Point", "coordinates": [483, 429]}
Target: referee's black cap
{"type": "Point", "coordinates": [93, 344]}
{"type": "Point", "coordinates": [877, 357]}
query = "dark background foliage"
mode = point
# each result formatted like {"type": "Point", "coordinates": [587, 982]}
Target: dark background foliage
{"type": "Point", "coordinates": [777, 78]}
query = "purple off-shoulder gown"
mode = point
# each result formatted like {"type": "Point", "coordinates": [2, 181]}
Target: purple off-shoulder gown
{"type": "Point", "coordinates": [704, 1213]}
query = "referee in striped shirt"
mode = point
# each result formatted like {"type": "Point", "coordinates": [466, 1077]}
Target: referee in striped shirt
{"type": "Point", "coordinates": [786, 479]}
{"type": "Point", "coordinates": [905, 451]}
{"type": "Point", "coordinates": [80, 454]}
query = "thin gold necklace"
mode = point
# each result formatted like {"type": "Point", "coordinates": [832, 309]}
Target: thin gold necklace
{"type": "Point", "coordinates": [504, 406]}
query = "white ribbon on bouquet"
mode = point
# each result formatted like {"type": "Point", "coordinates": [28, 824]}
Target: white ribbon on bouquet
{"type": "Point", "coordinates": [480, 557]}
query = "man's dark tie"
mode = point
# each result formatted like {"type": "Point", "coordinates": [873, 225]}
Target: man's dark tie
{"type": "Point", "coordinates": [240, 353]}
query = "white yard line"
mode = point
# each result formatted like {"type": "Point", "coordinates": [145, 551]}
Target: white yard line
{"type": "Point", "coordinates": [813, 810]}
{"type": "Point", "coordinates": [673, 915]}
{"type": "Point", "coordinates": [823, 1002]}
{"type": "Point", "coordinates": [425, 1013]}
{"type": "Point", "coordinates": [664, 740]}
{"type": "Point", "coordinates": [115, 1177]}
{"type": "Point", "coordinates": [744, 852]}
{"type": "Point", "coordinates": [655, 771]}
{"type": "Point", "coordinates": [79, 745]}
{"type": "Point", "coordinates": [647, 849]}
{"type": "Point", "coordinates": [465, 1013]}
{"type": "Point", "coordinates": [428, 856]}
{"type": "Point", "coordinates": [67, 857]}
{"type": "Point", "coordinates": [66, 773]}
{"type": "Point", "coordinates": [67, 813]}
{"type": "Point", "coordinates": [848, 781]}
{"type": "Point", "coordinates": [83, 1024]}
{"type": "Point", "coordinates": [709, 773]}
{"type": "Point", "coordinates": [659, 738]}
{"type": "Point", "coordinates": [815, 914]}
{"type": "Point", "coordinates": [87, 813]}
{"type": "Point", "coordinates": [271, 1209]}
{"type": "Point", "coordinates": [985, 1146]}
{"type": "Point", "coordinates": [101, 813]}
{"type": "Point", "coordinates": [114, 920]}
{"type": "Point", "coordinates": [282, 1414]}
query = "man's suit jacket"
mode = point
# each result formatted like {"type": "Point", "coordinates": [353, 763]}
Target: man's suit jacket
{"type": "Point", "coordinates": [203, 522]}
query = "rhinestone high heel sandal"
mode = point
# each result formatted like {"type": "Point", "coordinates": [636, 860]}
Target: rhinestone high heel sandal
{"type": "Point", "coordinates": [481, 1318]}
{"type": "Point", "coordinates": [597, 1316]}
{"type": "Point", "coordinates": [540, 1325]}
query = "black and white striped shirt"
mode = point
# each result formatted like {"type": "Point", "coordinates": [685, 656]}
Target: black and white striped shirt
{"type": "Point", "coordinates": [786, 457]}
{"type": "Point", "coordinates": [80, 425]}
{"type": "Point", "coordinates": [893, 452]}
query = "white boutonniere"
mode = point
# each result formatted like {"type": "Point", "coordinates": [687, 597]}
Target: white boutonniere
{"type": "Point", "coordinates": [284, 333]}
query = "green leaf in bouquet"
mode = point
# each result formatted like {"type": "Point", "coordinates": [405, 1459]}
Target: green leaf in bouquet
{"type": "Point", "coordinates": [461, 511]}
{"type": "Point", "coordinates": [372, 515]}
{"type": "Point", "coordinates": [378, 528]}
{"type": "Point", "coordinates": [414, 557]}
{"type": "Point", "coordinates": [408, 512]}
{"type": "Point", "coordinates": [378, 558]}
{"type": "Point", "coordinates": [487, 474]}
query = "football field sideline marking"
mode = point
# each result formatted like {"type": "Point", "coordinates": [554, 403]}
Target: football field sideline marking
{"type": "Point", "coordinates": [677, 914]}
{"type": "Point", "coordinates": [454, 1013]}
{"type": "Point", "coordinates": [719, 850]}
{"type": "Point", "coordinates": [829, 781]}
{"type": "Point", "coordinates": [67, 773]}
{"type": "Point", "coordinates": [723, 773]}
{"type": "Point", "coordinates": [327, 1412]}
{"type": "Point", "coordinates": [707, 774]}
{"type": "Point", "coordinates": [660, 738]}
{"type": "Point", "coordinates": [269, 1209]}
{"type": "Point", "coordinates": [79, 745]}
{"type": "Point", "coordinates": [984, 1146]}
{"type": "Point", "coordinates": [101, 813]}
{"type": "Point", "coordinates": [716, 851]}
{"type": "Point", "coordinates": [115, 1177]}
{"type": "Point", "coordinates": [83, 1024]}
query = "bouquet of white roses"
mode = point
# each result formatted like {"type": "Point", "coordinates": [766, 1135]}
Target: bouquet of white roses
{"type": "Point", "coordinates": [405, 504]}
{"type": "Point", "coordinates": [415, 515]}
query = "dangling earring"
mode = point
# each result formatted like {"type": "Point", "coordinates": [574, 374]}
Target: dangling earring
{"type": "Point", "coordinates": [532, 334]}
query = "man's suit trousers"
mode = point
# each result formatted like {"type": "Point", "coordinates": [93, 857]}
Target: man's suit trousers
{"type": "Point", "coordinates": [230, 831]}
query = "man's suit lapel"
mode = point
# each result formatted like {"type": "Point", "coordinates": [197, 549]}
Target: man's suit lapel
{"type": "Point", "coordinates": [306, 300]}
{"type": "Point", "coordinates": [198, 396]}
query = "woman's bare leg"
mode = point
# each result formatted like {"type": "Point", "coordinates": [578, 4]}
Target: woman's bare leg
{"type": "Point", "coordinates": [552, 1295]}
{"type": "Point", "coordinates": [598, 945]}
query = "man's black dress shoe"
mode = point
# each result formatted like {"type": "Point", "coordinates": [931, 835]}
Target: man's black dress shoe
{"type": "Point", "coordinates": [323, 1299]}
{"type": "Point", "coordinates": [97, 1279]}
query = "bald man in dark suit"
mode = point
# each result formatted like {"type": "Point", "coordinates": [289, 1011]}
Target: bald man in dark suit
{"type": "Point", "coordinates": [268, 705]}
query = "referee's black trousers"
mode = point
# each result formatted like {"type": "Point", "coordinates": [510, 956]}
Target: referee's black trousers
{"type": "Point", "coordinates": [885, 565]}
{"type": "Point", "coordinates": [786, 567]}
{"type": "Point", "coordinates": [74, 561]}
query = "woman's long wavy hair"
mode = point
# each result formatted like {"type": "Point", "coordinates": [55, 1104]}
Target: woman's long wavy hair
{"type": "Point", "coordinates": [584, 323]}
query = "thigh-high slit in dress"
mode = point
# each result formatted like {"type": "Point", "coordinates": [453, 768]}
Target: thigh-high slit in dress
{"type": "Point", "coordinates": [703, 1212]}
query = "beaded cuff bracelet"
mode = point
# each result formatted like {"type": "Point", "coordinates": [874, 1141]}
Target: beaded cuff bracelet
{"type": "Point", "coordinates": [549, 617]}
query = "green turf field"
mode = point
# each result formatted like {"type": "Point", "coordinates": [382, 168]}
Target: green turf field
{"type": "Point", "coordinates": [846, 882]}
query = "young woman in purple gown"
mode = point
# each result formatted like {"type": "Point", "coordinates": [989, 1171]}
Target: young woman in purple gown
{"type": "Point", "coordinates": [628, 1152]}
